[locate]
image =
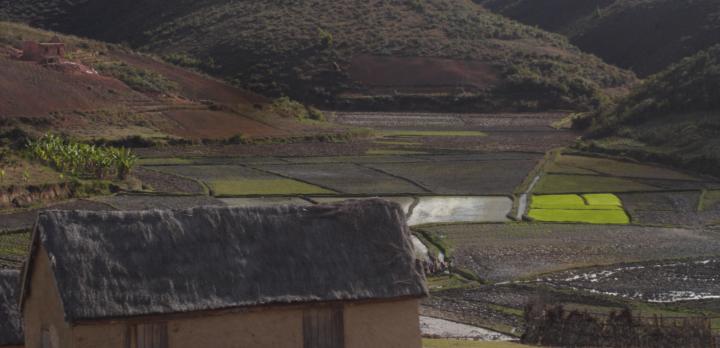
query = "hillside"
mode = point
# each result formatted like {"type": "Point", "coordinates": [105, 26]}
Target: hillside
{"type": "Point", "coordinates": [672, 117]}
{"type": "Point", "coordinates": [105, 92]}
{"type": "Point", "coordinates": [415, 54]}
{"type": "Point", "coordinates": [645, 36]}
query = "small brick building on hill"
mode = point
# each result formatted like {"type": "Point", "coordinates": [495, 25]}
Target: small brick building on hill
{"type": "Point", "coordinates": [43, 52]}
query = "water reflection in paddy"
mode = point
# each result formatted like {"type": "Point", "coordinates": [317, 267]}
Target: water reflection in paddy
{"type": "Point", "coordinates": [420, 210]}
{"type": "Point", "coordinates": [431, 210]}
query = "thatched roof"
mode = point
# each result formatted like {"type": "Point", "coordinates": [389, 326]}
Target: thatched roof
{"type": "Point", "coordinates": [11, 332]}
{"type": "Point", "coordinates": [120, 264]}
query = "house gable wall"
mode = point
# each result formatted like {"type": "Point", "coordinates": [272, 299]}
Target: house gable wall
{"type": "Point", "coordinates": [383, 324]}
{"type": "Point", "coordinates": [42, 309]}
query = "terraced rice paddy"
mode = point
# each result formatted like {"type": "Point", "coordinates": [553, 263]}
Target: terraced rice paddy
{"type": "Point", "coordinates": [617, 168]}
{"type": "Point", "coordinates": [431, 210]}
{"type": "Point", "coordinates": [589, 208]}
{"type": "Point", "coordinates": [563, 183]}
{"type": "Point", "coordinates": [463, 177]}
{"type": "Point", "coordinates": [249, 187]}
{"type": "Point", "coordinates": [711, 200]}
{"type": "Point", "coordinates": [346, 178]}
{"type": "Point", "coordinates": [506, 252]}
{"type": "Point", "coordinates": [389, 174]}
{"type": "Point", "coordinates": [680, 280]}
{"type": "Point", "coordinates": [143, 202]}
{"type": "Point", "coordinates": [669, 208]}
{"type": "Point", "coordinates": [25, 219]}
{"type": "Point", "coordinates": [13, 249]}
{"type": "Point", "coordinates": [235, 180]}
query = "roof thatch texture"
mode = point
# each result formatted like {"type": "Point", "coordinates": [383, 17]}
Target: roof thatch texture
{"type": "Point", "coordinates": [120, 264]}
{"type": "Point", "coordinates": [11, 332]}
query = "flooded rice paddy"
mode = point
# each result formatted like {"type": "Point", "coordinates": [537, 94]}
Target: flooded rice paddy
{"type": "Point", "coordinates": [431, 210]}
{"type": "Point", "coordinates": [662, 282]}
{"type": "Point", "coordinates": [433, 327]}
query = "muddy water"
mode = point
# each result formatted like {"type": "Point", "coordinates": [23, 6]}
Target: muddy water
{"type": "Point", "coordinates": [439, 328]}
{"type": "Point", "coordinates": [663, 282]}
{"type": "Point", "coordinates": [431, 210]}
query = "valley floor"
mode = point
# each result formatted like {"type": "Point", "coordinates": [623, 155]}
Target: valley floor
{"type": "Point", "coordinates": [461, 179]}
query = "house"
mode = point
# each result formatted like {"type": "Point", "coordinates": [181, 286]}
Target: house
{"type": "Point", "coordinates": [332, 276]}
{"type": "Point", "coordinates": [11, 333]}
{"type": "Point", "coordinates": [52, 51]}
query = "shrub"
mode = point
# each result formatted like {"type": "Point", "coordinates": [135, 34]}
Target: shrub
{"type": "Point", "coordinates": [291, 108]}
{"type": "Point", "coordinates": [141, 80]}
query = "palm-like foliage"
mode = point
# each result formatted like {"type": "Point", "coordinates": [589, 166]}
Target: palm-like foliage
{"type": "Point", "coordinates": [81, 159]}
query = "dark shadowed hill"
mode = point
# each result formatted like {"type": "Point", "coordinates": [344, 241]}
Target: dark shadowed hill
{"type": "Point", "coordinates": [414, 54]}
{"type": "Point", "coordinates": [674, 116]}
{"type": "Point", "coordinates": [642, 35]}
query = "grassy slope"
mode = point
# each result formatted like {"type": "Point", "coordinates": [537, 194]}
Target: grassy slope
{"type": "Point", "coordinates": [673, 117]}
{"type": "Point", "coordinates": [643, 35]}
{"type": "Point", "coordinates": [134, 95]}
{"type": "Point", "coordinates": [305, 49]}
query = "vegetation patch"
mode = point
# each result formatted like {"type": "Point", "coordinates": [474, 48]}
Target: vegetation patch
{"type": "Point", "coordinates": [557, 202]}
{"type": "Point", "coordinates": [448, 281]}
{"type": "Point", "coordinates": [243, 187]}
{"type": "Point", "coordinates": [13, 248]}
{"type": "Point", "coordinates": [79, 159]}
{"type": "Point", "coordinates": [560, 183]}
{"type": "Point", "coordinates": [304, 50]}
{"type": "Point", "coordinates": [606, 217]}
{"type": "Point", "coordinates": [141, 80]}
{"type": "Point", "coordinates": [711, 200]}
{"type": "Point", "coordinates": [599, 199]}
{"type": "Point", "coordinates": [591, 208]}
{"type": "Point", "coordinates": [290, 108]}
{"type": "Point", "coordinates": [671, 118]}
{"type": "Point", "coordinates": [18, 171]}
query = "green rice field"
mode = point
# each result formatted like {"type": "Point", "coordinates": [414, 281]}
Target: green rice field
{"type": "Point", "coordinates": [589, 208]}
{"type": "Point", "coordinates": [13, 248]}
{"type": "Point", "coordinates": [561, 183]}
{"type": "Point", "coordinates": [711, 200]}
